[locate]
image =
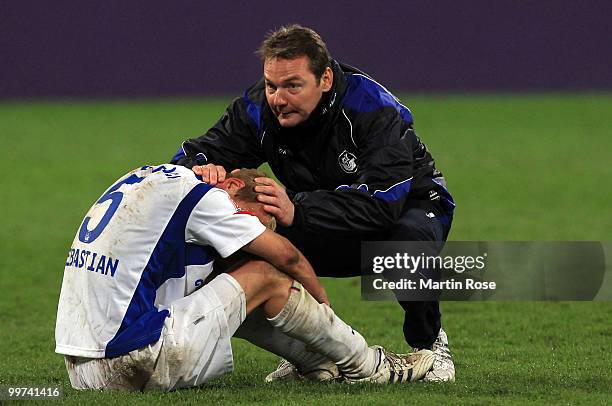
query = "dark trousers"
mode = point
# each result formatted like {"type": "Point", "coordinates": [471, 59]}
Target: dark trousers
{"type": "Point", "coordinates": [341, 257]}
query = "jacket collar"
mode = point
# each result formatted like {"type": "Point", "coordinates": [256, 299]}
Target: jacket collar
{"type": "Point", "coordinates": [332, 98]}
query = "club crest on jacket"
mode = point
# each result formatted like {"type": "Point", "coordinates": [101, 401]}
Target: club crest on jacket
{"type": "Point", "coordinates": [347, 162]}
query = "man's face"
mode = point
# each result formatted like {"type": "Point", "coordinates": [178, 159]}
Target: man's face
{"type": "Point", "coordinates": [292, 90]}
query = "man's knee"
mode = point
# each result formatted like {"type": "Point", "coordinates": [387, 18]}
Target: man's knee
{"type": "Point", "coordinates": [258, 275]}
{"type": "Point", "coordinates": [263, 269]}
{"type": "Point", "coordinates": [415, 224]}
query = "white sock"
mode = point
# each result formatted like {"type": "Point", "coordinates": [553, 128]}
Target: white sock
{"type": "Point", "coordinates": [316, 325]}
{"type": "Point", "coordinates": [258, 330]}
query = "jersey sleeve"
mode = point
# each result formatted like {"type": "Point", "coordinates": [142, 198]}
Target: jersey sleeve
{"type": "Point", "coordinates": [233, 142]}
{"type": "Point", "coordinates": [385, 174]}
{"type": "Point", "coordinates": [217, 222]}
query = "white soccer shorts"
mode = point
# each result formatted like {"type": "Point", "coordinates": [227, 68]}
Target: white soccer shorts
{"type": "Point", "coordinates": [194, 346]}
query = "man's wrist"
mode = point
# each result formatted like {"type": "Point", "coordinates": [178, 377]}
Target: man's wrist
{"type": "Point", "coordinates": [291, 215]}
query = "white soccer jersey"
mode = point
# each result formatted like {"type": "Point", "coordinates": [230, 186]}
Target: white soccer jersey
{"type": "Point", "coordinates": [147, 241]}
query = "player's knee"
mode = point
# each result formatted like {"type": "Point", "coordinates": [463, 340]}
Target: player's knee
{"type": "Point", "coordinates": [264, 276]}
{"type": "Point", "coordinates": [275, 279]}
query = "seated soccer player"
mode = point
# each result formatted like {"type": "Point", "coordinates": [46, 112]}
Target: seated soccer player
{"type": "Point", "coordinates": [135, 314]}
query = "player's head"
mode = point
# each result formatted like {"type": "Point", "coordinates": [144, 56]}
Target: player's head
{"type": "Point", "coordinates": [297, 71]}
{"type": "Point", "coordinates": [240, 185]}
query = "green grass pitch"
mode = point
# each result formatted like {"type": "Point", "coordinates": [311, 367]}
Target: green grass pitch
{"type": "Point", "coordinates": [521, 167]}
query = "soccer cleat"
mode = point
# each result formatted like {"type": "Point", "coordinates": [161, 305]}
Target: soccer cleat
{"type": "Point", "coordinates": [323, 373]}
{"type": "Point", "coordinates": [397, 368]}
{"type": "Point", "coordinates": [284, 371]}
{"type": "Point", "coordinates": [287, 371]}
{"type": "Point", "coordinates": [443, 369]}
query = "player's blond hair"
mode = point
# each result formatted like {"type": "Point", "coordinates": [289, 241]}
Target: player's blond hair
{"type": "Point", "coordinates": [248, 193]}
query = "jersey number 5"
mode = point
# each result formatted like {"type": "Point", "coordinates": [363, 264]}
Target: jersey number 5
{"type": "Point", "coordinates": [87, 236]}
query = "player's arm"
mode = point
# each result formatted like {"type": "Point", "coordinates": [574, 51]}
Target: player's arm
{"type": "Point", "coordinates": [281, 253]}
{"type": "Point", "coordinates": [215, 221]}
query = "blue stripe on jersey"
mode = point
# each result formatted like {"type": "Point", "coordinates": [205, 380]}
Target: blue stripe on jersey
{"type": "Point", "coordinates": [199, 254]}
{"type": "Point", "coordinates": [142, 323]}
{"type": "Point", "coordinates": [366, 95]}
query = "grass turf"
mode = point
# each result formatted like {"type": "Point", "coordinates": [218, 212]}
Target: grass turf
{"type": "Point", "coordinates": [521, 167]}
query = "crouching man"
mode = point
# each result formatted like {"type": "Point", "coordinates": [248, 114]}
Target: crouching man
{"type": "Point", "coordinates": [135, 312]}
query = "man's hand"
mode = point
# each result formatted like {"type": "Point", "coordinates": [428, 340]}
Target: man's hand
{"type": "Point", "coordinates": [210, 173]}
{"type": "Point", "coordinates": [275, 200]}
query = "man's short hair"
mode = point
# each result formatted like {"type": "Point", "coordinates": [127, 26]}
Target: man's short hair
{"type": "Point", "coordinates": [247, 193]}
{"type": "Point", "coordinates": [292, 41]}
